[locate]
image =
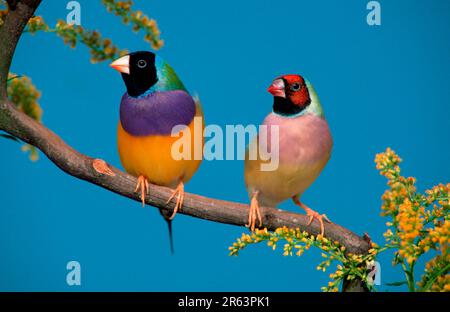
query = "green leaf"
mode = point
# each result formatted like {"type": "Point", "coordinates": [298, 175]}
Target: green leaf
{"type": "Point", "coordinates": [10, 137]}
{"type": "Point", "coordinates": [396, 283]}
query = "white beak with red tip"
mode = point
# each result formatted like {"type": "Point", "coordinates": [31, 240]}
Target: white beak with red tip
{"type": "Point", "coordinates": [122, 64]}
{"type": "Point", "coordinates": [277, 88]}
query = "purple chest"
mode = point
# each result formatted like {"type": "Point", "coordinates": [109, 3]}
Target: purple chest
{"type": "Point", "coordinates": [156, 113]}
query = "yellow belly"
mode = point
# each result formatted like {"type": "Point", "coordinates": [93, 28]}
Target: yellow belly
{"type": "Point", "coordinates": [151, 157]}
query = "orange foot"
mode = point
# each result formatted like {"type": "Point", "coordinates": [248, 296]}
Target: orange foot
{"type": "Point", "coordinates": [102, 167]}
{"type": "Point", "coordinates": [254, 213]}
{"type": "Point", "coordinates": [312, 214]}
{"type": "Point", "coordinates": [142, 185]}
{"type": "Point", "coordinates": [179, 192]}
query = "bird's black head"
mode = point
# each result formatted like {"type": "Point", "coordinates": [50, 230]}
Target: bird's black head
{"type": "Point", "coordinates": [138, 71]}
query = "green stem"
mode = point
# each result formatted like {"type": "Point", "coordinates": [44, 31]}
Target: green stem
{"type": "Point", "coordinates": [409, 273]}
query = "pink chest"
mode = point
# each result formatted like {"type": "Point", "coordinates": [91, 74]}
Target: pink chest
{"type": "Point", "coordinates": [303, 140]}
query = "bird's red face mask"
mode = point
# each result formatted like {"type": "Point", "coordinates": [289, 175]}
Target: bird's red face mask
{"type": "Point", "coordinates": [292, 88]}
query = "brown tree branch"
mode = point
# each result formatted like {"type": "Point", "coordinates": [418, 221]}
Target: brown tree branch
{"type": "Point", "coordinates": [80, 166]}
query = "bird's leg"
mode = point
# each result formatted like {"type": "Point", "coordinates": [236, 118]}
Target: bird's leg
{"type": "Point", "coordinates": [102, 167]}
{"type": "Point", "coordinates": [179, 192]}
{"type": "Point", "coordinates": [254, 213]}
{"type": "Point", "coordinates": [312, 214]}
{"type": "Point", "coordinates": [142, 185]}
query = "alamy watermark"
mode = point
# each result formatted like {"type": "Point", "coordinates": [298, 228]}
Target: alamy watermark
{"type": "Point", "coordinates": [73, 277]}
{"type": "Point", "coordinates": [74, 16]}
{"type": "Point", "coordinates": [374, 275]}
{"type": "Point", "coordinates": [263, 143]}
{"type": "Point", "coordinates": [374, 15]}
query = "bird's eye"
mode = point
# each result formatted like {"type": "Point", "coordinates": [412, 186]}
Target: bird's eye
{"type": "Point", "coordinates": [141, 63]}
{"type": "Point", "coordinates": [295, 87]}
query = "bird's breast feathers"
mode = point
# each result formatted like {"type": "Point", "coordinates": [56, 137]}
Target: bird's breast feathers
{"type": "Point", "coordinates": [145, 140]}
{"type": "Point", "coordinates": [302, 140]}
{"type": "Point", "coordinates": [305, 145]}
{"type": "Point", "coordinates": [156, 113]}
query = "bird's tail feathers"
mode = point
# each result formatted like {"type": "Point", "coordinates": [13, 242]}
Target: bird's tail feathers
{"type": "Point", "coordinates": [166, 216]}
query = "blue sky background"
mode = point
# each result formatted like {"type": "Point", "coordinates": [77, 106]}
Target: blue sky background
{"type": "Point", "coordinates": [380, 86]}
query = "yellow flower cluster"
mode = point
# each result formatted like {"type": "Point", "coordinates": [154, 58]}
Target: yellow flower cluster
{"type": "Point", "coordinates": [24, 95]}
{"type": "Point", "coordinates": [400, 188]}
{"type": "Point", "coordinates": [442, 283]}
{"type": "Point", "coordinates": [297, 241]}
{"type": "Point", "coordinates": [119, 8]}
{"type": "Point", "coordinates": [440, 234]}
{"type": "Point", "coordinates": [388, 163]}
{"type": "Point", "coordinates": [138, 20]}
{"type": "Point", "coordinates": [410, 223]}
{"type": "Point", "coordinates": [440, 194]}
{"type": "Point", "coordinates": [35, 24]}
{"type": "Point", "coordinates": [419, 223]}
{"type": "Point", "coordinates": [100, 49]}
